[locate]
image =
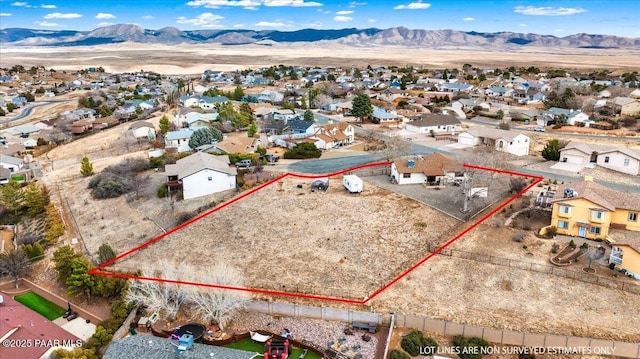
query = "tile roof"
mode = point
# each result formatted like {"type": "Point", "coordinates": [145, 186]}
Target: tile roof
{"type": "Point", "coordinates": [32, 326]}
{"type": "Point", "coordinates": [435, 164]}
{"type": "Point", "coordinates": [198, 161]}
{"type": "Point", "coordinates": [600, 195]}
{"type": "Point", "coordinates": [144, 346]}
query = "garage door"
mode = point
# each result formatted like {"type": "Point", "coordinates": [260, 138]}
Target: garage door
{"type": "Point", "coordinates": [465, 139]}
{"type": "Point", "coordinates": [572, 159]}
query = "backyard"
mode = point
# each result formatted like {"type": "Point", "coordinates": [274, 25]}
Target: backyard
{"type": "Point", "coordinates": [252, 346]}
{"type": "Point", "coordinates": [40, 305]}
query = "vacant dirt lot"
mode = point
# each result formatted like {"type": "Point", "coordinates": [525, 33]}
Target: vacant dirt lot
{"type": "Point", "coordinates": [285, 237]}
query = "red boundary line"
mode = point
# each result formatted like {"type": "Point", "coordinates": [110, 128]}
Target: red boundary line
{"type": "Point", "coordinates": [98, 270]}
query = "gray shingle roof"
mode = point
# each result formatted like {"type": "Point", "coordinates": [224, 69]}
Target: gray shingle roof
{"type": "Point", "coordinates": [143, 346]}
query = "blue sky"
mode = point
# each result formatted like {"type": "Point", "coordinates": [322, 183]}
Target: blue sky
{"type": "Point", "coordinates": [552, 17]}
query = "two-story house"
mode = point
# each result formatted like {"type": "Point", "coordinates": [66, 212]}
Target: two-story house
{"type": "Point", "coordinates": [178, 140]}
{"type": "Point", "coordinates": [334, 135]}
{"type": "Point", "coordinates": [587, 209]}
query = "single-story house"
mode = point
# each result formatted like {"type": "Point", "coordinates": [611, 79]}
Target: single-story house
{"type": "Point", "coordinates": [455, 87]}
{"type": "Point", "coordinates": [578, 153]}
{"type": "Point", "coordinates": [143, 129]}
{"type": "Point", "coordinates": [301, 127]}
{"type": "Point", "coordinates": [239, 144]}
{"type": "Point", "coordinates": [620, 159]}
{"type": "Point", "coordinates": [201, 174]}
{"type": "Point", "coordinates": [178, 139]}
{"type": "Point", "coordinates": [467, 105]}
{"type": "Point", "coordinates": [504, 141]}
{"type": "Point", "coordinates": [572, 116]}
{"type": "Point", "coordinates": [434, 124]}
{"type": "Point", "coordinates": [386, 117]}
{"type": "Point", "coordinates": [432, 169]}
{"type": "Point", "coordinates": [625, 105]}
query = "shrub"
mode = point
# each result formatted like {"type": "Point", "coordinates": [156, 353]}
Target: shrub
{"type": "Point", "coordinates": [399, 354]}
{"type": "Point", "coordinates": [519, 237]}
{"type": "Point", "coordinates": [555, 248]}
{"type": "Point", "coordinates": [162, 191]}
{"type": "Point", "coordinates": [415, 344]}
{"type": "Point", "coordinates": [526, 227]}
{"type": "Point", "coordinates": [469, 348]}
{"type": "Point", "coordinates": [109, 185]}
{"type": "Point", "coordinates": [572, 244]}
{"type": "Point", "coordinates": [552, 230]}
{"type": "Point", "coordinates": [156, 162]}
{"type": "Point", "coordinates": [302, 151]}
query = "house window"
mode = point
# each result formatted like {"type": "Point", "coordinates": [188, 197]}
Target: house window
{"type": "Point", "coordinates": [564, 209]}
{"type": "Point", "coordinates": [633, 216]}
{"type": "Point", "coordinates": [563, 225]}
{"type": "Point", "coordinates": [594, 230]}
{"type": "Point", "coordinates": [406, 175]}
{"type": "Point", "coordinates": [606, 159]}
{"type": "Point", "coordinates": [597, 214]}
{"type": "Point", "coordinates": [210, 179]}
{"type": "Point", "coordinates": [626, 162]}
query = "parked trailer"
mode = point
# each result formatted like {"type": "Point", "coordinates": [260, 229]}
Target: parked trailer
{"type": "Point", "coordinates": [352, 183]}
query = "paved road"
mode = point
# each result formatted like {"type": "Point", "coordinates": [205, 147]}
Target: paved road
{"type": "Point", "coordinates": [26, 112]}
{"type": "Point", "coordinates": [630, 188]}
{"type": "Point", "coordinates": [335, 164]}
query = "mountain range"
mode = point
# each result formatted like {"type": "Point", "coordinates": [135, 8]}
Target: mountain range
{"type": "Point", "coordinates": [397, 36]}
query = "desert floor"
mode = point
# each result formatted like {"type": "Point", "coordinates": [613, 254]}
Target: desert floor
{"type": "Point", "coordinates": [192, 59]}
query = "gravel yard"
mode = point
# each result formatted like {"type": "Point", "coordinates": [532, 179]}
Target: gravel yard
{"type": "Point", "coordinates": [288, 238]}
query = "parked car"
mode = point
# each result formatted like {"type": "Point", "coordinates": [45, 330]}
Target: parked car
{"type": "Point", "coordinates": [244, 163]}
{"type": "Point", "coordinates": [270, 158]}
{"type": "Point", "coordinates": [539, 129]}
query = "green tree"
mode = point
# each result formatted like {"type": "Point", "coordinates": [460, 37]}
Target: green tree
{"type": "Point", "coordinates": [303, 101]}
{"type": "Point", "coordinates": [76, 353]}
{"type": "Point", "coordinates": [105, 110]}
{"type": "Point", "coordinates": [253, 129]}
{"type": "Point", "coordinates": [362, 107]}
{"type": "Point", "coordinates": [205, 136]}
{"type": "Point", "coordinates": [500, 115]}
{"type": "Point", "coordinates": [303, 150]}
{"type": "Point", "coordinates": [105, 253]}
{"type": "Point", "coordinates": [246, 108]}
{"type": "Point", "coordinates": [164, 124]}
{"type": "Point", "coordinates": [80, 282]}
{"type": "Point", "coordinates": [14, 264]}
{"type": "Point", "coordinates": [551, 151]}
{"type": "Point", "coordinates": [237, 94]}
{"type": "Point", "coordinates": [10, 107]}
{"type": "Point", "coordinates": [36, 199]}
{"type": "Point", "coordinates": [86, 167]}
{"type": "Point", "coordinates": [101, 336]}
{"type": "Point", "coordinates": [12, 196]}
{"type": "Point", "coordinates": [225, 111]}
{"type": "Point", "coordinates": [308, 116]}
{"type": "Point", "coordinates": [62, 259]}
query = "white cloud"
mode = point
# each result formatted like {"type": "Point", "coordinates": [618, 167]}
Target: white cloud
{"type": "Point", "coordinates": [419, 5]}
{"type": "Point", "coordinates": [5, 14]}
{"type": "Point", "coordinates": [47, 24]}
{"type": "Point", "coordinates": [326, 12]}
{"type": "Point", "coordinates": [315, 24]}
{"type": "Point", "coordinates": [559, 30]}
{"type": "Point", "coordinates": [48, 6]}
{"type": "Point", "coordinates": [238, 26]}
{"type": "Point", "coordinates": [468, 19]}
{"type": "Point", "coordinates": [354, 4]}
{"type": "Point", "coordinates": [523, 25]}
{"type": "Point", "coordinates": [21, 4]}
{"type": "Point", "coordinates": [251, 4]}
{"type": "Point", "coordinates": [270, 24]}
{"type": "Point", "coordinates": [344, 12]}
{"type": "Point", "coordinates": [106, 23]}
{"type": "Point", "coordinates": [207, 20]}
{"type": "Point", "coordinates": [548, 10]}
{"type": "Point", "coordinates": [371, 20]}
{"type": "Point", "coordinates": [104, 16]}
{"type": "Point", "coordinates": [58, 15]}
{"type": "Point", "coordinates": [342, 18]}
{"type": "Point", "coordinates": [147, 17]}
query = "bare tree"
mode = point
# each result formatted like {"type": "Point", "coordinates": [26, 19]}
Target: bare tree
{"type": "Point", "coordinates": [214, 304]}
{"type": "Point", "coordinates": [14, 264]}
{"type": "Point", "coordinates": [594, 254]}
{"type": "Point", "coordinates": [163, 297]}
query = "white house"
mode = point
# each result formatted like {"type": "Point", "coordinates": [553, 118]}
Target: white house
{"type": "Point", "coordinates": [432, 169]}
{"type": "Point", "coordinates": [505, 141]}
{"type": "Point", "coordinates": [178, 139]}
{"type": "Point", "coordinates": [572, 116]}
{"type": "Point", "coordinates": [201, 174]}
{"type": "Point", "coordinates": [621, 160]}
{"type": "Point", "coordinates": [436, 124]}
{"type": "Point", "coordinates": [386, 116]}
{"type": "Point", "coordinates": [577, 153]}
{"type": "Point", "coordinates": [333, 135]}
{"type": "Point", "coordinates": [13, 164]}
{"type": "Point", "coordinates": [144, 130]}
